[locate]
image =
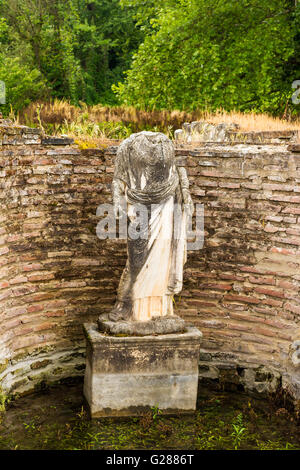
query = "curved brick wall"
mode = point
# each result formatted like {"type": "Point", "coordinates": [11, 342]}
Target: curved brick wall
{"type": "Point", "coordinates": [54, 272]}
{"type": "Point", "coordinates": [241, 289]}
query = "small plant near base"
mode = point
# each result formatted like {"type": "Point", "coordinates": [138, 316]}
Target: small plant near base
{"type": "Point", "coordinates": [155, 412]}
{"type": "Point", "coordinates": [82, 413]}
{"type": "Point", "coordinates": [239, 430]}
{"type": "Point", "coordinates": [209, 440]}
{"type": "Point", "coordinates": [31, 426]}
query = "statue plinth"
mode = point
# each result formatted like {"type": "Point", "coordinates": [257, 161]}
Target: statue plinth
{"type": "Point", "coordinates": [126, 375]}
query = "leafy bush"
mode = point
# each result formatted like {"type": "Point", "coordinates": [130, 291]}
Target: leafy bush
{"type": "Point", "coordinates": [115, 130]}
{"type": "Point", "coordinates": [79, 47]}
{"type": "Point", "coordinates": [22, 84]}
{"type": "Point", "coordinates": [210, 54]}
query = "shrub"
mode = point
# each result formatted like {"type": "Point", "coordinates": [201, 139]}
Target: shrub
{"type": "Point", "coordinates": [22, 84]}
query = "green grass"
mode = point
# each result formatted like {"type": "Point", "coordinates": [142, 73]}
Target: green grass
{"type": "Point", "coordinates": [57, 420]}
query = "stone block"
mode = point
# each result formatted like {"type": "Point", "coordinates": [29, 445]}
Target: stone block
{"type": "Point", "coordinates": [127, 375]}
{"type": "Point", "coordinates": [57, 140]}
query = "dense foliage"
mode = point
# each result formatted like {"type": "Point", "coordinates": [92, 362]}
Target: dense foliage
{"type": "Point", "coordinates": [77, 48]}
{"type": "Point", "coordinates": [182, 54]}
{"type": "Point", "coordinates": [242, 54]}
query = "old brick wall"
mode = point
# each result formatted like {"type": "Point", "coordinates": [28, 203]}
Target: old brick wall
{"type": "Point", "coordinates": [241, 289]}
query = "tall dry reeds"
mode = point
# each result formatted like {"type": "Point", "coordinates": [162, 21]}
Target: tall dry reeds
{"type": "Point", "coordinates": [59, 116]}
{"type": "Point", "coordinates": [59, 112]}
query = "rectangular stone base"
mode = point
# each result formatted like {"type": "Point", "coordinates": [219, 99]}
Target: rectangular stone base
{"type": "Point", "coordinates": [127, 375]}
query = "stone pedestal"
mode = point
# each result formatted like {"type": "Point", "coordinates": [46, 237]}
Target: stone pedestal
{"type": "Point", "coordinates": [126, 375]}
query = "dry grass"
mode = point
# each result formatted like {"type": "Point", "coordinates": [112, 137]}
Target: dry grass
{"type": "Point", "coordinates": [96, 123]}
{"type": "Point", "coordinates": [60, 112]}
{"type": "Point", "coordinates": [253, 122]}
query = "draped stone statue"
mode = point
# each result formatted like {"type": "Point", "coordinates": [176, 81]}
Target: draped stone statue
{"type": "Point", "coordinates": [141, 354]}
{"type": "Point", "coordinates": [147, 176]}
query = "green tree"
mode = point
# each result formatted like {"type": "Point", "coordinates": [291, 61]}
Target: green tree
{"type": "Point", "coordinates": [214, 53]}
{"type": "Point", "coordinates": [41, 37]}
{"type": "Point", "coordinates": [106, 41]}
{"type": "Point", "coordinates": [80, 47]}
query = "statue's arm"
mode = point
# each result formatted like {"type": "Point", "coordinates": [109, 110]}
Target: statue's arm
{"type": "Point", "coordinates": [118, 192]}
{"type": "Point", "coordinates": [185, 185]}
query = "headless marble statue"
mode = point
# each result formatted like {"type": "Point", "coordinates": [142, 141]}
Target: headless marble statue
{"type": "Point", "coordinates": [146, 173]}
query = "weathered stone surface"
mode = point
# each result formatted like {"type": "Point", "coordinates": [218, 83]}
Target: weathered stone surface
{"type": "Point", "coordinates": [203, 131]}
{"type": "Point", "coordinates": [294, 148]}
{"type": "Point", "coordinates": [156, 326]}
{"type": "Point", "coordinates": [127, 375]}
{"type": "Point", "coordinates": [146, 175]}
{"type": "Point", "coordinates": [295, 353]}
{"type": "Point", "coordinates": [57, 141]}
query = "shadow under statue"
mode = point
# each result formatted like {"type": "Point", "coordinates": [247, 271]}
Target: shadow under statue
{"type": "Point", "coordinates": [141, 354]}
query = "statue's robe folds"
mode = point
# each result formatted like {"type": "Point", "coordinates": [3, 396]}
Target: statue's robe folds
{"type": "Point", "coordinates": [154, 268]}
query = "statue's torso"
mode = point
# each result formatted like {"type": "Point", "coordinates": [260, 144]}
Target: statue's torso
{"type": "Point", "coordinates": [150, 171]}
